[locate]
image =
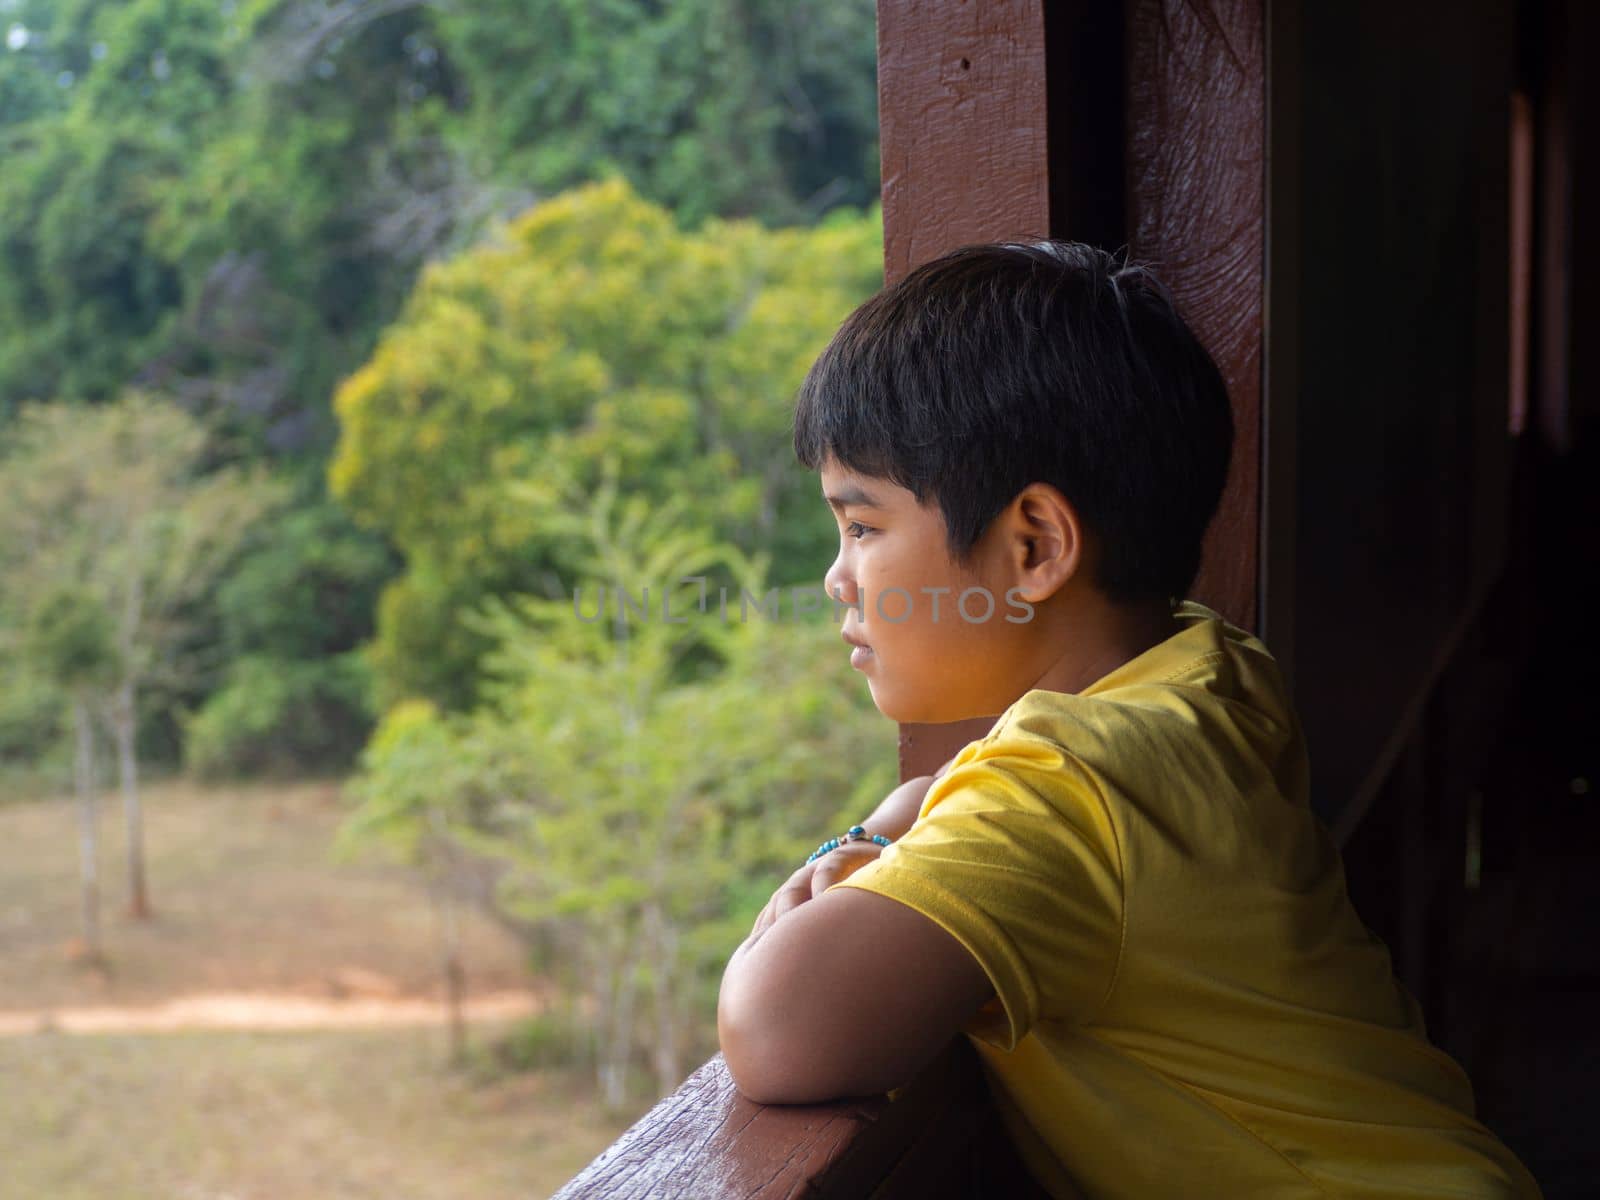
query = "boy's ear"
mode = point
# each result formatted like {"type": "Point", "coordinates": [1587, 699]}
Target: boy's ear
{"type": "Point", "coordinates": [1046, 541]}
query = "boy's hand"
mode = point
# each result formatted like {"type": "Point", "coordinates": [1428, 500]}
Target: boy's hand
{"type": "Point", "coordinates": [892, 818]}
{"type": "Point", "coordinates": [813, 879]}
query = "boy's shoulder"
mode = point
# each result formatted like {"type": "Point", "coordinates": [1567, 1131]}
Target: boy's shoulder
{"type": "Point", "coordinates": [1209, 672]}
{"type": "Point", "coordinates": [1202, 716]}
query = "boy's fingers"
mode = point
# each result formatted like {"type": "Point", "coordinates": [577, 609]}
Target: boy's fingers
{"type": "Point", "coordinates": [813, 879]}
{"type": "Point", "coordinates": [763, 919]}
{"type": "Point", "coordinates": [774, 910]}
{"type": "Point", "coordinates": [841, 864]}
{"type": "Point", "coordinates": [795, 892]}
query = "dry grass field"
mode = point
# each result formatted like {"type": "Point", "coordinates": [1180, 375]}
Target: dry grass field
{"type": "Point", "coordinates": [280, 1116]}
{"type": "Point", "coordinates": [246, 896]}
{"type": "Point", "coordinates": [249, 902]}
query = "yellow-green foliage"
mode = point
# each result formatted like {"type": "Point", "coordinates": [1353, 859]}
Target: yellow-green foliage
{"type": "Point", "coordinates": [590, 330]}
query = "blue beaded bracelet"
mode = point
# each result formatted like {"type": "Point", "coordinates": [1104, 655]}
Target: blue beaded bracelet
{"type": "Point", "coordinates": [854, 834]}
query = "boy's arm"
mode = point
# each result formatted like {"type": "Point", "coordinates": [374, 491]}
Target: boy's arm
{"type": "Point", "coordinates": [892, 818]}
{"type": "Point", "coordinates": [855, 997]}
{"type": "Point", "coordinates": [849, 994]}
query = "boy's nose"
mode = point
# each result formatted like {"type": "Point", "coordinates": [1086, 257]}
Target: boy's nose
{"type": "Point", "coordinates": [838, 583]}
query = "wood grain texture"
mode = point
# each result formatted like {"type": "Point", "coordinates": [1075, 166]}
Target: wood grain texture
{"type": "Point", "coordinates": [962, 115]}
{"type": "Point", "coordinates": [707, 1142]}
{"type": "Point", "coordinates": [1196, 163]}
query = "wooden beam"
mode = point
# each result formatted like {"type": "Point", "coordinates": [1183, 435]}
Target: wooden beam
{"type": "Point", "coordinates": [962, 104]}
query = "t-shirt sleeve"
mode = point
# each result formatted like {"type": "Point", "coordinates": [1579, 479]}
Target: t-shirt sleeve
{"type": "Point", "coordinates": [1014, 854]}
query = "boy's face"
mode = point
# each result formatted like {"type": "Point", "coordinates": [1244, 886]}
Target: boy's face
{"type": "Point", "coordinates": [931, 636]}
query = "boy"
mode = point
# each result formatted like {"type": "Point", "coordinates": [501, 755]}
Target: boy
{"type": "Point", "coordinates": [1120, 894]}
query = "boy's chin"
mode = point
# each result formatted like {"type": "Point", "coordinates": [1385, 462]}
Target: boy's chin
{"type": "Point", "coordinates": [910, 710]}
{"type": "Point", "coordinates": [896, 708]}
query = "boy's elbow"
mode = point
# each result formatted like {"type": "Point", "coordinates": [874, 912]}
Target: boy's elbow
{"type": "Point", "coordinates": [767, 1076]}
{"type": "Point", "coordinates": [816, 1012]}
{"type": "Point", "coordinates": [766, 1059]}
{"type": "Point", "coordinates": [756, 1076]}
{"type": "Point", "coordinates": [752, 1048]}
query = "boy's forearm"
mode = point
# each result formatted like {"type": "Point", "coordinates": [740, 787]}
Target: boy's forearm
{"type": "Point", "coordinates": [892, 818]}
{"type": "Point", "coordinates": [848, 995]}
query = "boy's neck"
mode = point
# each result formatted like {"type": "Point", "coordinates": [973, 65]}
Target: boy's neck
{"type": "Point", "coordinates": [1100, 636]}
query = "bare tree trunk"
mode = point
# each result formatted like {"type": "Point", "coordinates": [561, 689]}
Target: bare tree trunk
{"type": "Point", "coordinates": [618, 1047]}
{"type": "Point", "coordinates": [455, 979]}
{"type": "Point", "coordinates": [125, 726]}
{"type": "Point", "coordinates": [88, 828]}
{"type": "Point", "coordinates": [600, 987]}
{"type": "Point", "coordinates": [449, 927]}
{"type": "Point", "coordinates": [663, 945]}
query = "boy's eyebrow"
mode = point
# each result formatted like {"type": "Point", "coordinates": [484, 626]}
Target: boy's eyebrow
{"type": "Point", "coordinates": [851, 494]}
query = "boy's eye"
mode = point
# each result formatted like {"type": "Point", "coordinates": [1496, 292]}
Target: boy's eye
{"type": "Point", "coordinates": [856, 529]}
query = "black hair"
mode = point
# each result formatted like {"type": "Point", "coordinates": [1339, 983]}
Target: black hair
{"type": "Point", "coordinates": [997, 366]}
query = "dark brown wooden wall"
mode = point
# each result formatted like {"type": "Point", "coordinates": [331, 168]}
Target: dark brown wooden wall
{"type": "Point", "coordinates": [1567, 37]}
{"type": "Point", "coordinates": [1398, 470]}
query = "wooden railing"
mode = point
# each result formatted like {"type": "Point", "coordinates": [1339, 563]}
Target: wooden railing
{"type": "Point", "coordinates": [939, 1138]}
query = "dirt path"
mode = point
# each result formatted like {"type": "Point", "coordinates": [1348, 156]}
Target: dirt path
{"type": "Point", "coordinates": [260, 1011]}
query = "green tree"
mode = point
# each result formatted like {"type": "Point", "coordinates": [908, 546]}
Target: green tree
{"type": "Point", "coordinates": [591, 329]}
{"type": "Point", "coordinates": [115, 504]}
{"type": "Point", "coordinates": [37, 62]}
{"type": "Point", "coordinates": [206, 207]}
{"type": "Point", "coordinates": [301, 221]}
{"type": "Point", "coordinates": [642, 782]}
{"type": "Point", "coordinates": [292, 615]}
{"type": "Point", "coordinates": [87, 296]}
{"type": "Point", "coordinates": [227, 203]}
{"type": "Point", "coordinates": [760, 108]}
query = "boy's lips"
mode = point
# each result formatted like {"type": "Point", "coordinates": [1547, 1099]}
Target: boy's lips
{"type": "Point", "coordinates": [860, 653]}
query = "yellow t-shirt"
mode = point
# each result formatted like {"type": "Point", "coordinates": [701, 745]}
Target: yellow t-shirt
{"type": "Point", "coordinates": [1186, 1002]}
